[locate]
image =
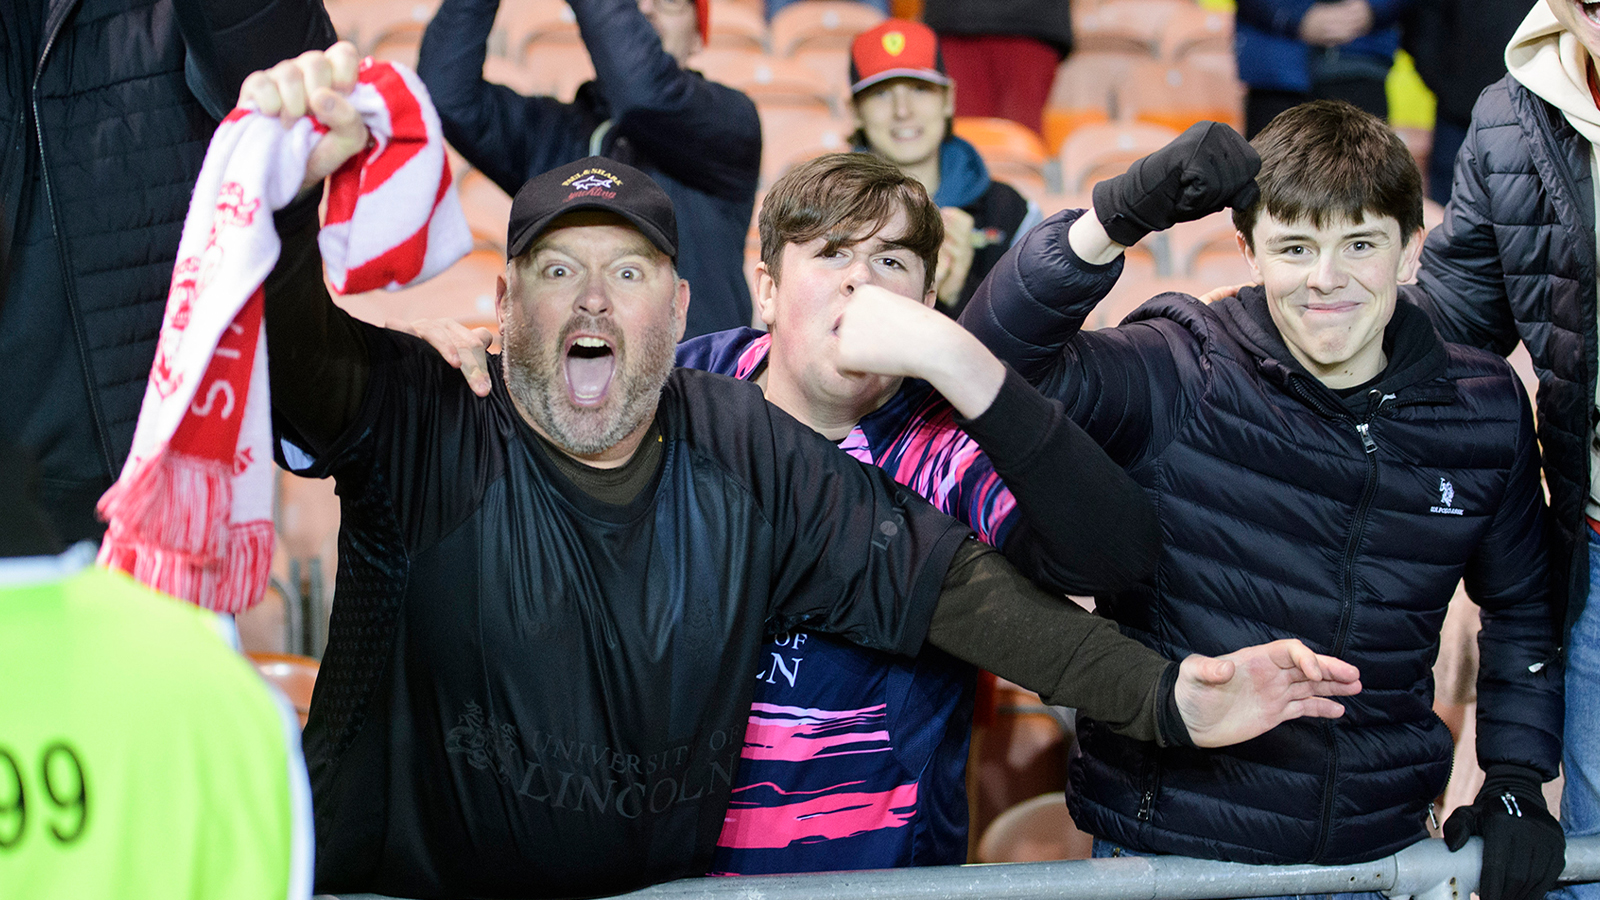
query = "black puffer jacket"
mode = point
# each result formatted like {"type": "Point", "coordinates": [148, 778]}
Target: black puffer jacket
{"type": "Point", "coordinates": [1288, 511]}
{"type": "Point", "coordinates": [106, 110]}
{"type": "Point", "coordinates": [1515, 259]}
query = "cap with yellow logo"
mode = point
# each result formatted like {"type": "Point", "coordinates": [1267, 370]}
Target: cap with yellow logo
{"type": "Point", "coordinates": [897, 48]}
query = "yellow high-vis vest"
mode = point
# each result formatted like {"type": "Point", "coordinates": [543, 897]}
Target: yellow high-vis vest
{"type": "Point", "coordinates": [140, 756]}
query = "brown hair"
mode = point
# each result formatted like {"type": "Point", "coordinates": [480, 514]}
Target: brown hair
{"type": "Point", "coordinates": [1327, 159]}
{"type": "Point", "coordinates": [841, 196]}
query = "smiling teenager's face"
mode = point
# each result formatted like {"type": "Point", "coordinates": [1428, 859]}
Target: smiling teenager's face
{"type": "Point", "coordinates": [903, 119]}
{"type": "Point", "coordinates": [591, 315]}
{"type": "Point", "coordinates": [1331, 289]}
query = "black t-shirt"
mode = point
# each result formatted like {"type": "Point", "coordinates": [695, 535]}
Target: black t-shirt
{"type": "Point", "coordinates": [531, 692]}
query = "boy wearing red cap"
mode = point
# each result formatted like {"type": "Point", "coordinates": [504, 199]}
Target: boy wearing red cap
{"type": "Point", "coordinates": [701, 141]}
{"type": "Point", "coordinates": [903, 100]}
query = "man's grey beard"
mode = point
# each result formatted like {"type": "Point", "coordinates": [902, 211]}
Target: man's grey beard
{"type": "Point", "coordinates": [536, 378]}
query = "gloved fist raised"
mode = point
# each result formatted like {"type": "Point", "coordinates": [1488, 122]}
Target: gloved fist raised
{"type": "Point", "coordinates": [1523, 847]}
{"type": "Point", "coordinates": [1205, 169]}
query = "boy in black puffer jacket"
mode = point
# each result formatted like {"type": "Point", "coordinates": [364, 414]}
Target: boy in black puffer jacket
{"type": "Point", "coordinates": [1325, 468]}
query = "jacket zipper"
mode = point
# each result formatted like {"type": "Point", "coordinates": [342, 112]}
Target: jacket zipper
{"type": "Point", "coordinates": [1369, 449]}
{"type": "Point", "coordinates": [1147, 800]}
{"type": "Point", "coordinates": [61, 252]}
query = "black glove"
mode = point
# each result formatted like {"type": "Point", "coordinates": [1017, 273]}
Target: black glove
{"type": "Point", "coordinates": [1205, 169]}
{"type": "Point", "coordinates": [1523, 847]}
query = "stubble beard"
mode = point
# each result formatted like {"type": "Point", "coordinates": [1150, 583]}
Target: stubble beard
{"type": "Point", "coordinates": [536, 379]}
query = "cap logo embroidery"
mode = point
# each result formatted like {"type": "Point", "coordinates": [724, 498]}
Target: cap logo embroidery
{"type": "Point", "coordinates": [894, 43]}
{"type": "Point", "coordinates": [1447, 499]}
{"type": "Point", "coordinates": [593, 183]}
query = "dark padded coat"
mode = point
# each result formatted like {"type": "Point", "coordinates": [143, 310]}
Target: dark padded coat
{"type": "Point", "coordinates": [1288, 511]}
{"type": "Point", "coordinates": [701, 141]}
{"type": "Point", "coordinates": [1515, 259]}
{"type": "Point", "coordinates": [106, 109]}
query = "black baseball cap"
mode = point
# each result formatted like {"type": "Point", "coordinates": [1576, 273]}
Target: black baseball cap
{"type": "Point", "coordinates": [592, 183]}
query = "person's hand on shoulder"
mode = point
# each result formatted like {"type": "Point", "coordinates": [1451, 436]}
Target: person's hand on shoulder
{"type": "Point", "coordinates": [461, 347]}
{"type": "Point", "coordinates": [315, 83]}
{"type": "Point", "coordinates": [1231, 698]}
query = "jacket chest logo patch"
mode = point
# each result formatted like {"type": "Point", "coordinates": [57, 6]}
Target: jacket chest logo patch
{"type": "Point", "coordinates": [1447, 499]}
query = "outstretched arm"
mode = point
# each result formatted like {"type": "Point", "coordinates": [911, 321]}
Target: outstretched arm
{"type": "Point", "coordinates": [505, 135]}
{"type": "Point", "coordinates": [993, 617]}
{"type": "Point", "coordinates": [703, 134]}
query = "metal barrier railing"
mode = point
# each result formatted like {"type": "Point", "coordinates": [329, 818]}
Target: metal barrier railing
{"type": "Point", "coordinates": [1425, 871]}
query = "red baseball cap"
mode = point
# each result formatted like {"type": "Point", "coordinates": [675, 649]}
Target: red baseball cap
{"type": "Point", "coordinates": [897, 48]}
{"type": "Point", "coordinates": [702, 14]}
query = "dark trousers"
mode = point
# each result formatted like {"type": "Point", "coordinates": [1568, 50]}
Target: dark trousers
{"type": "Point", "coordinates": [1261, 105]}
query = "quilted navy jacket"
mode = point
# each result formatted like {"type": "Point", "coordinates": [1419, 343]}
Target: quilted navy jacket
{"type": "Point", "coordinates": [1289, 511]}
{"type": "Point", "coordinates": [1515, 259]}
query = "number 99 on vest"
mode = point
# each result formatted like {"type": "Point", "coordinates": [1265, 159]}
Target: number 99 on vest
{"type": "Point", "coordinates": [45, 797]}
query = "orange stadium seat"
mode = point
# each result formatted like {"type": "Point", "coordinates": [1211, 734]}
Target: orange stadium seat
{"type": "Point", "coordinates": [522, 21]}
{"type": "Point", "coordinates": [1099, 151]}
{"type": "Point", "coordinates": [832, 23]}
{"type": "Point", "coordinates": [1138, 284]}
{"type": "Point", "coordinates": [1084, 92]}
{"type": "Point", "coordinates": [488, 209]}
{"type": "Point", "coordinates": [1194, 245]}
{"type": "Point", "coordinates": [766, 80]}
{"type": "Point", "coordinates": [391, 21]}
{"type": "Point", "coordinates": [1013, 152]}
{"type": "Point", "coordinates": [831, 66]}
{"type": "Point", "coordinates": [1036, 830]}
{"type": "Point", "coordinates": [464, 292]}
{"type": "Point", "coordinates": [1129, 26]}
{"type": "Point", "coordinates": [1194, 29]}
{"type": "Point", "coordinates": [793, 134]}
{"type": "Point", "coordinates": [738, 26]}
{"type": "Point", "coordinates": [1177, 95]}
{"type": "Point", "coordinates": [295, 675]}
{"type": "Point", "coordinates": [1053, 202]}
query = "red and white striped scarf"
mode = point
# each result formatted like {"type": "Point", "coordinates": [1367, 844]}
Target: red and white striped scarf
{"type": "Point", "coordinates": [191, 513]}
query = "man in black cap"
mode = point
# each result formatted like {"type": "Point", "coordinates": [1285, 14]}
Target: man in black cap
{"type": "Point", "coordinates": [550, 600]}
{"type": "Point", "coordinates": [700, 140]}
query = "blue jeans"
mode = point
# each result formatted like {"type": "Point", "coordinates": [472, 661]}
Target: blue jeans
{"type": "Point", "coordinates": [1108, 850]}
{"type": "Point", "coordinates": [1580, 753]}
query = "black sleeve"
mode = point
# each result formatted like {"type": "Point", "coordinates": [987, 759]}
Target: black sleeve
{"type": "Point", "coordinates": [317, 357]}
{"type": "Point", "coordinates": [703, 134]}
{"type": "Point", "coordinates": [505, 135]}
{"type": "Point", "coordinates": [1085, 527]}
{"type": "Point", "coordinates": [228, 39]}
{"type": "Point", "coordinates": [991, 616]}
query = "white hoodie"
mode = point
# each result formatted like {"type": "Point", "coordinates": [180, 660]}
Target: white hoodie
{"type": "Point", "coordinates": [1550, 62]}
